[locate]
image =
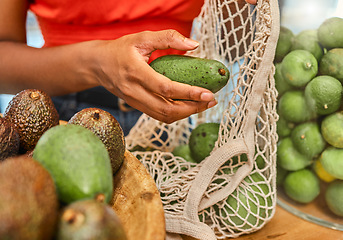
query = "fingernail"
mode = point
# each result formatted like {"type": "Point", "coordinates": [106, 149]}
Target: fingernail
{"type": "Point", "coordinates": [212, 104]}
{"type": "Point", "coordinates": [191, 43]}
{"type": "Point", "coordinates": [206, 96]}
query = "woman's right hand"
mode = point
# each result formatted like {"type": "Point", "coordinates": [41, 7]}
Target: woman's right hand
{"type": "Point", "coordinates": [122, 68]}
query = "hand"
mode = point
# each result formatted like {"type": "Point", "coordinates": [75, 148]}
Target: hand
{"type": "Point", "coordinates": [124, 71]}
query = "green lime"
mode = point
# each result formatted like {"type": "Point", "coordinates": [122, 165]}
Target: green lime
{"type": "Point", "coordinates": [332, 64]}
{"type": "Point", "coordinates": [332, 161]}
{"type": "Point", "coordinates": [239, 159]}
{"type": "Point", "coordinates": [302, 186]}
{"type": "Point", "coordinates": [259, 160]}
{"type": "Point", "coordinates": [183, 151]}
{"type": "Point", "coordinates": [293, 107]}
{"type": "Point", "coordinates": [283, 127]}
{"type": "Point", "coordinates": [308, 139]}
{"type": "Point", "coordinates": [247, 206]}
{"type": "Point", "coordinates": [321, 172]}
{"type": "Point", "coordinates": [284, 43]}
{"type": "Point", "coordinates": [330, 33]}
{"type": "Point", "coordinates": [280, 84]}
{"type": "Point", "coordinates": [289, 158]}
{"type": "Point", "coordinates": [323, 94]}
{"type": "Point", "coordinates": [332, 129]}
{"type": "Point", "coordinates": [308, 40]}
{"type": "Point", "coordinates": [334, 197]}
{"type": "Point", "coordinates": [298, 67]}
{"type": "Point", "coordinates": [280, 175]}
{"type": "Point", "coordinates": [202, 140]}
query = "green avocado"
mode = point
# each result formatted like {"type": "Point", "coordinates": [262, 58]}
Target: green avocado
{"type": "Point", "coordinates": [202, 140]}
{"type": "Point", "coordinates": [89, 219]}
{"type": "Point", "coordinates": [206, 73]}
{"type": "Point", "coordinates": [183, 151]}
{"type": "Point", "coordinates": [78, 161]}
{"type": "Point", "coordinates": [248, 205]}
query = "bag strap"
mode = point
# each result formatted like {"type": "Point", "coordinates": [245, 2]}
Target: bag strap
{"type": "Point", "coordinates": [208, 169]}
{"type": "Point", "coordinates": [196, 200]}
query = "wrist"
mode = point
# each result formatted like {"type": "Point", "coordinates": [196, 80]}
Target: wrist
{"type": "Point", "coordinates": [87, 65]}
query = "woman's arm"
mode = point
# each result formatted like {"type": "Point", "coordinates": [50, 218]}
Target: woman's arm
{"type": "Point", "coordinates": [118, 65]}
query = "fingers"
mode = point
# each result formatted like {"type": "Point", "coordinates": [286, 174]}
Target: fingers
{"type": "Point", "coordinates": [168, 111]}
{"type": "Point", "coordinates": [166, 39]}
{"type": "Point", "coordinates": [164, 99]}
{"type": "Point", "coordinates": [168, 89]}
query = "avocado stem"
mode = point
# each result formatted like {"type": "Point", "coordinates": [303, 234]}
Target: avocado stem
{"type": "Point", "coordinates": [70, 216]}
{"type": "Point", "coordinates": [34, 95]}
{"type": "Point", "coordinates": [100, 197]}
{"type": "Point", "coordinates": [221, 71]}
{"type": "Point", "coordinates": [96, 115]}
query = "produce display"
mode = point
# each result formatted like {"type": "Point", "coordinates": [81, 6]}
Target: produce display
{"type": "Point", "coordinates": [308, 77]}
{"type": "Point", "coordinates": [56, 181]}
{"type": "Point", "coordinates": [28, 200]}
{"type": "Point", "coordinates": [78, 161]}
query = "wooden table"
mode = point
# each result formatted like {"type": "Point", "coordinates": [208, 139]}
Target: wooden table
{"type": "Point", "coordinates": [286, 226]}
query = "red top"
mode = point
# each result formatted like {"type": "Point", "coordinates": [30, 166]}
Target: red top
{"type": "Point", "coordinates": [70, 21]}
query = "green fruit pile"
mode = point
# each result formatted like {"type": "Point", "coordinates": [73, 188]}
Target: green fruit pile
{"type": "Point", "coordinates": [56, 180]}
{"type": "Point", "coordinates": [251, 202]}
{"type": "Point", "coordinates": [309, 77]}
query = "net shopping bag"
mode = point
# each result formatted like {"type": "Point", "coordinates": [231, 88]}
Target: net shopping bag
{"type": "Point", "coordinates": [229, 193]}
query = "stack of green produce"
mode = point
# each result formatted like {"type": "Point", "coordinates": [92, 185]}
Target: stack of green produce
{"type": "Point", "coordinates": [56, 181]}
{"type": "Point", "coordinates": [309, 77]}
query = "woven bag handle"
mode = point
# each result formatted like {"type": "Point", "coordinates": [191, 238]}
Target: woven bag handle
{"type": "Point", "coordinates": [196, 200]}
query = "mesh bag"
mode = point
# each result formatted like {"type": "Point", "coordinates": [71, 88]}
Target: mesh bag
{"type": "Point", "coordinates": [228, 193]}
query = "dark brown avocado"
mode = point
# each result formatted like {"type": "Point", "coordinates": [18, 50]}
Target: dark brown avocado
{"type": "Point", "coordinates": [9, 139]}
{"type": "Point", "coordinates": [32, 112]}
{"type": "Point", "coordinates": [107, 128]}
{"type": "Point", "coordinates": [29, 205]}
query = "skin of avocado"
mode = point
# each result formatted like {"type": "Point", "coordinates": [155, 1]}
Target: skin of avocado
{"type": "Point", "coordinates": [107, 128]}
{"type": "Point", "coordinates": [29, 205]}
{"type": "Point", "coordinates": [89, 219]}
{"type": "Point", "coordinates": [9, 139]}
{"type": "Point", "coordinates": [32, 112]}
{"type": "Point", "coordinates": [78, 162]}
{"type": "Point", "coordinates": [207, 73]}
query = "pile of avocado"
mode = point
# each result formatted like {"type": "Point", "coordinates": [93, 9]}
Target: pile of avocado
{"type": "Point", "coordinates": [308, 78]}
{"type": "Point", "coordinates": [56, 180]}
